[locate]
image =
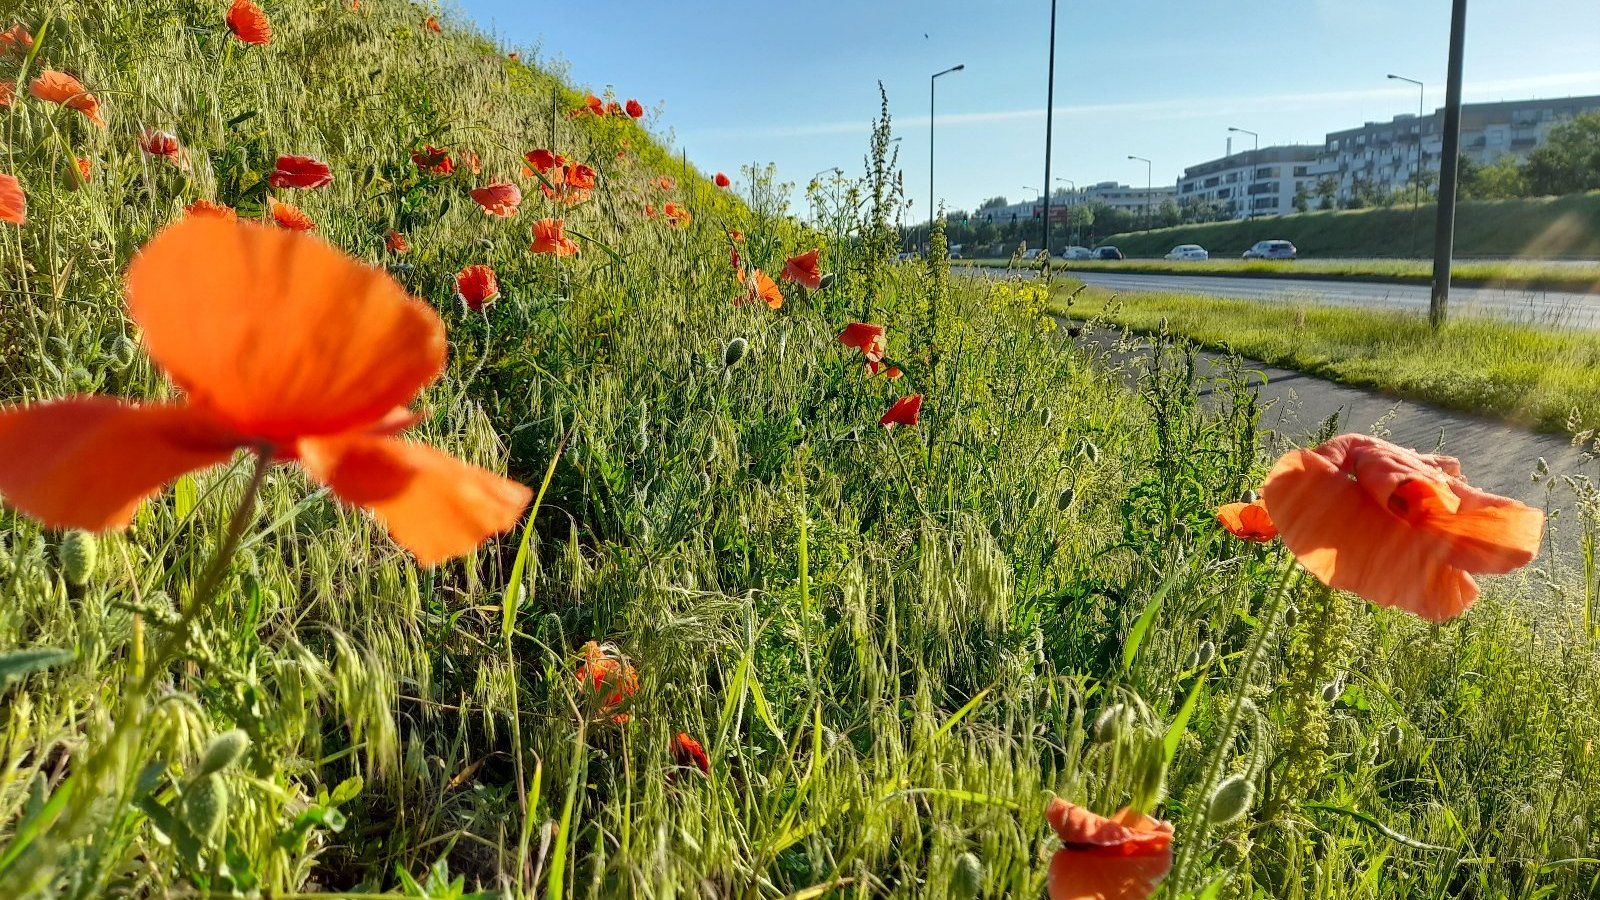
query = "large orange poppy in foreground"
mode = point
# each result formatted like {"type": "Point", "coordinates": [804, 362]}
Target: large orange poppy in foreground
{"type": "Point", "coordinates": [1124, 857]}
{"type": "Point", "coordinates": [1398, 527]}
{"type": "Point", "coordinates": [281, 345]}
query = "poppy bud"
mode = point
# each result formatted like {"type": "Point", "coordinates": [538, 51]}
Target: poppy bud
{"type": "Point", "coordinates": [1291, 615]}
{"type": "Point", "coordinates": [79, 552]}
{"type": "Point", "coordinates": [1541, 470]}
{"type": "Point", "coordinates": [967, 879]}
{"type": "Point", "coordinates": [1230, 800]}
{"type": "Point", "coordinates": [1031, 501]}
{"type": "Point", "coordinates": [734, 351]}
{"type": "Point", "coordinates": [1249, 497]}
{"type": "Point", "coordinates": [223, 751]}
{"type": "Point", "coordinates": [827, 282]}
{"type": "Point", "coordinates": [1331, 691]}
{"type": "Point", "coordinates": [1065, 499]}
{"type": "Point", "coordinates": [123, 351]}
{"type": "Point", "coordinates": [1045, 415]}
{"type": "Point", "coordinates": [1392, 736]}
{"type": "Point", "coordinates": [1089, 451]}
{"type": "Point", "coordinates": [1029, 402]}
{"type": "Point", "coordinates": [205, 807]}
{"type": "Point", "coordinates": [1207, 652]}
{"type": "Point", "coordinates": [1108, 725]}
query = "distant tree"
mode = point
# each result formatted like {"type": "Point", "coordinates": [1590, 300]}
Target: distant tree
{"type": "Point", "coordinates": [1327, 191]}
{"type": "Point", "coordinates": [1302, 199]}
{"type": "Point", "coordinates": [1203, 211]}
{"type": "Point", "coordinates": [1168, 214]}
{"type": "Point", "coordinates": [992, 203]}
{"type": "Point", "coordinates": [1569, 160]}
{"type": "Point", "coordinates": [1503, 179]}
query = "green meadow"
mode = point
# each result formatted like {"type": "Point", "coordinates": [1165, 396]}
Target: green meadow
{"type": "Point", "coordinates": [894, 645]}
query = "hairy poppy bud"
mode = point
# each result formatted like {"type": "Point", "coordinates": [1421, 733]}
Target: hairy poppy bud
{"type": "Point", "coordinates": [1291, 615]}
{"type": "Point", "coordinates": [1108, 725]}
{"type": "Point", "coordinates": [1064, 499]}
{"type": "Point", "coordinates": [1249, 497]}
{"type": "Point", "coordinates": [827, 282]}
{"type": "Point", "coordinates": [1206, 652]}
{"type": "Point", "coordinates": [223, 751]}
{"type": "Point", "coordinates": [1045, 415]}
{"type": "Point", "coordinates": [205, 807]}
{"type": "Point", "coordinates": [1089, 451]}
{"type": "Point", "coordinates": [967, 879]}
{"type": "Point", "coordinates": [734, 352]}
{"type": "Point", "coordinates": [1331, 691]}
{"type": "Point", "coordinates": [1230, 800]}
{"type": "Point", "coordinates": [79, 552]}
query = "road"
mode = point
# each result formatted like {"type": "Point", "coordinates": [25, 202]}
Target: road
{"type": "Point", "coordinates": [1547, 308]}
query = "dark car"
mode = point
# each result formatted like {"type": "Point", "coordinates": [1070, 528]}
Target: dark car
{"type": "Point", "coordinates": [1107, 253]}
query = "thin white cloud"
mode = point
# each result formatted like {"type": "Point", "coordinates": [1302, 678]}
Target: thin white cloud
{"type": "Point", "coordinates": [1189, 108]}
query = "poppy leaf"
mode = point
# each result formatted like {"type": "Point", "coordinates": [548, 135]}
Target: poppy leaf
{"type": "Point", "coordinates": [1180, 722]}
{"type": "Point", "coordinates": [16, 664]}
{"type": "Point", "coordinates": [601, 244]}
{"type": "Point", "coordinates": [1141, 626]}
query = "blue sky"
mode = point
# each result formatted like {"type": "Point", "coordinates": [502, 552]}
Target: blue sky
{"type": "Point", "coordinates": [795, 84]}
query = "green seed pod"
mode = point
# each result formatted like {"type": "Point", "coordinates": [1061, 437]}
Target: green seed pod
{"type": "Point", "coordinates": [1029, 402]}
{"type": "Point", "coordinates": [79, 552]}
{"type": "Point", "coordinates": [1045, 415]}
{"type": "Point", "coordinates": [223, 751]}
{"type": "Point", "coordinates": [1230, 800]}
{"type": "Point", "coordinates": [734, 352]}
{"type": "Point", "coordinates": [1392, 736]}
{"type": "Point", "coordinates": [1206, 653]}
{"type": "Point", "coordinates": [1331, 691]}
{"type": "Point", "coordinates": [1065, 499]}
{"type": "Point", "coordinates": [1249, 497]}
{"type": "Point", "coordinates": [1089, 451]}
{"type": "Point", "coordinates": [124, 350]}
{"type": "Point", "coordinates": [1291, 615]}
{"type": "Point", "coordinates": [1192, 661]}
{"type": "Point", "coordinates": [1031, 501]}
{"type": "Point", "coordinates": [205, 807]}
{"type": "Point", "coordinates": [827, 282]}
{"type": "Point", "coordinates": [967, 879]}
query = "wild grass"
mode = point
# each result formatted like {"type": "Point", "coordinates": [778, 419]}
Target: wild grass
{"type": "Point", "coordinates": [893, 643]}
{"type": "Point", "coordinates": [1578, 277]}
{"type": "Point", "coordinates": [1535, 374]}
{"type": "Point", "coordinates": [1534, 228]}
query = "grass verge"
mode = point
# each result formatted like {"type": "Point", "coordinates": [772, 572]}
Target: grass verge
{"type": "Point", "coordinates": [1533, 275]}
{"type": "Point", "coordinates": [1526, 374]}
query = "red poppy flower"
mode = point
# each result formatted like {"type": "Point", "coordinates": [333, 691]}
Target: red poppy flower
{"type": "Point", "coordinates": [635, 109]}
{"type": "Point", "coordinates": [499, 199]}
{"type": "Point", "coordinates": [735, 234]}
{"type": "Point", "coordinates": [579, 176]}
{"type": "Point", "coordinates": [665, 183]}
{"type": "Point", "coordinates": [594, 105]}
{"type": "Point", "coordinates": [15, 38]}
{"type": "Point", "coordinates": [904, 411]}
{"type": "Point", "coordinates": [543, 160]}
{"type": "Point", "coordinates": [1124, 857]}
{"type": "Point", "coordinates": [300, 172]}
{"type": "Point", "coordinates": [291, 217]}
{"type": "Point", "coordinates": [649, 211]}
{"type": "Point", "coordinates": [680, 216]}
{"type": "Point", "coordinates": [549, 236]}
{"type": "Point", "coordinates": [759, 287]}
{"type": "Point", "coordinates": [803, 269]}
{"type": "Point", "coordinates": [606, 681]}
{"type": "Point", "coordinates": [872, 340]}
{"type": "Point", "coordinates": [1248, 521]}
{"type": "Point", "coordinates": [433, 159]}
{"type": "Point", "coordinates": [13, 203]}
{"type": "Point", "coordinates": [613, 108]}
{"type": "Point", "coordinates": [249, 23]}
{"type": "Point", "coordinates": [476, 286]}
{"type": "Point", "coordinates": [163, 144]}
{"type": "Point", "coordinates": [396, 242]}
{"type": "Point", "coordinates": [514, 56]}
{"type": "Point", "coordinates": [892, 373]}
{"type": "Point", "coordinates": [308, 356]}
{"type": "Point", "coordinates": [722, 180]}
{"type": "Point", "coordinates": [473, 163]}
{"type": "Point", "coordinates": [207, 209]}
{"type": "Point", "coordinates": [686, 751]}
{"type": "Point", "coordinates": [433, 24]}
{"type": "Point", "coordinates": [85, 170]}
{"type": "Point", "coordinates": [59, 87]}
{"type": "Point", "coordinates": [8, 93]}
{"type": "Point", "coordinates": [1395, 526]}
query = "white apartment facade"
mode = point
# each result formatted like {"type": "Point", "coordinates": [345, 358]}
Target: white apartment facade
{"type": "Point", "coordinates": [1253, 182]}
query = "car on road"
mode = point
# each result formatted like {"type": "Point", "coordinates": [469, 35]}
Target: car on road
{"type": "Point", "coordinates": [1030, 255]}
{"type": "Point", "coordinates": [1076, 252]}
{"type": "Point", "coordinates": [906, 255]}
{"type": "Point", "coordinates": [1107, 253]}
{"type": "Point", "coordinates": [1188, 251]}
{"type": "Point", "coordinates": [1271, 250]}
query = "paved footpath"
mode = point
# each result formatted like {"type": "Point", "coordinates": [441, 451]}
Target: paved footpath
{"type": "Point", "coordinates": [1494, 456]}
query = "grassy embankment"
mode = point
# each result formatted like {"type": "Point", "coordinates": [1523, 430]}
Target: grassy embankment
{"type": "Point", "coordinates": [1530, 374]}
{"type": "Point", "coordinates": [892, 643]}
{"type": "Point", "coordinates": [1508, 274]}
{"type": "Point", "coordinates": [1539, 228]}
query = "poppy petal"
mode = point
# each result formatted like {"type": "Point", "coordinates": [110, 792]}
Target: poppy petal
{"type": "Point", "coordinates": [1091, 876]}
{"type": "Point", "coordinates": [433, 504]}
{"type": "Point", "coordinates": [88, 462]}
{"type": "Point", "coordinates": [1490, 534]}
{"type": "Point", "coordinates": [276, 332]}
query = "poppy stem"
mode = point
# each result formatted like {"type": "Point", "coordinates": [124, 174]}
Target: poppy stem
{"type": "Point", "coordinates": [1258, 643]}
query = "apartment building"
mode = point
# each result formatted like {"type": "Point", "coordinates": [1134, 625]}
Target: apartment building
{"type": "Point", "coordinates": [1253, 182]}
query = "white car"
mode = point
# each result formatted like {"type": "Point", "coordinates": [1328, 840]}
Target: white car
{"type": "Point", "coordinates": [1188, 251]}
{"type": "Point", "coordinates": [1078, 253]}
{"type": "Point", "coordinates": [1271, 250]}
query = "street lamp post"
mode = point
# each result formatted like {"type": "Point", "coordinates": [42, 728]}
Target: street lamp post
{"type": "Point", "coordinates": [931, 83]}
{"type": "Point", "coordinates": [1049, 123]}
{"type": "Point", "coordinates": [1416, 174]}
{"type": "Point", "coordinates": [1255, 162]}
{"type": "Point", "coordinates": [1147, 185]}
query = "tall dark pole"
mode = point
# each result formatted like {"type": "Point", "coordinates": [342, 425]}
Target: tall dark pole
{"type": "Point", "coordinates": [1049, 122]}
{"type": "Point", "coordinates": [1416, 189]}
{"type": "Point", "coordinates": [1444, 235]}
{"type": "Point", "coordinates": [931, 80]}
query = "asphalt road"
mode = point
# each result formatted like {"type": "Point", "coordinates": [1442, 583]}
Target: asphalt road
{"type": "Point", "coordinates": [1548, 308]}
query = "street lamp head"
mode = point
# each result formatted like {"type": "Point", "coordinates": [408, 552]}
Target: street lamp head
{"type": "Point", "coordinates": [959, 68]}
